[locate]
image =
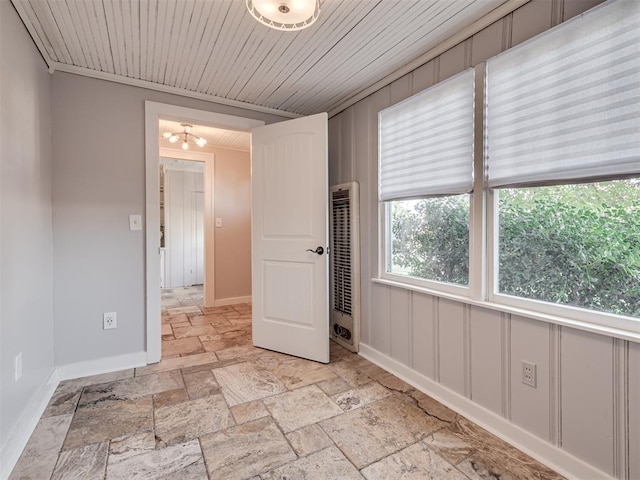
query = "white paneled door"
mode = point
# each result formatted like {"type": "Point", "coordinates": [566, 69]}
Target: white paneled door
{"type": "Point", "coordinates": [290, 237]}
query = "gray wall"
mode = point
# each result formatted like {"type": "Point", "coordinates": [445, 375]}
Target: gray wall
{"type": "Point", "coordinates": [98, 147]}
{"type": "Point", "coordinates": [587, 383]}
{"type": "Point", "coordinates": [26, 320]}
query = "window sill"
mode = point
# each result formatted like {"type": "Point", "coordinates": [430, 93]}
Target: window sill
{"type": "Point", "coordinates": [544, 317]}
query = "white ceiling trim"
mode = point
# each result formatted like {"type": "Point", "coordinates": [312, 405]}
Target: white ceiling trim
{"type": "Point", "coordinates": [111, 77]}
{"type": "Point", "coordinates": [461, 36]}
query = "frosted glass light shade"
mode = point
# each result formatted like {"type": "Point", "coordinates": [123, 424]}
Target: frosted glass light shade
{"type": "Point", "coordinates": [285, 14]}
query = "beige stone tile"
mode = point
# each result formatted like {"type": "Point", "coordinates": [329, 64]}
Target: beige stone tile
{"type": "Point", "coordinates": [166, 329]}
{"type": "Point", "coordinates": [248, 412]}
{"type": "Point", "coordinates": [130, 388]}
{"type": "Point", "coordinates": [361, 396]}
{"type": "Point", "coordinates": [177, 363]}
{"type": "Point", "coordinates": [245, 382]}
{"type": "Point", "coordinates": [334, 386]}
{"type": "Point", "coordinates": [211, 319]}
{"type": "Point", "coordinates": [434, 408]}
{"type": "Point", "coordinates": [296, 372]}
{"type": "Point", "coordinates": [246, 450]}
{"type": "Point", "coordinates": [177, 318]}
{"type": "Point", "coordinates": [39, 457]}
{"type": "Point", "coordinates": [309, 440]}
{"type": "Point", "coordinates": [191, 419]}
{"type": "Point", "coordinates": [96, 379]}
{"type": "Point", "coordinates": [182, 346]}
{"type": "Point", "coordinates": [370, 433]}
{"type": "Point", "coordinates": [496, 454]}
{"type": "Point", "coordinates": [192, 331]}
{"type": "Point", "coordinates": [81, 463]}
{"type": "Point", "coordinates": [201, 384]}
{"type": "Point", "coordinates": [170, 397]}
{"type": "Point", "coordinates": [301, 407]}
{"type": "Point", "coordinates": [449, 445]}
{"type": "Point", "coordinates": [109, 419]}
{"type": "Point", "coordinates": [416, 462]}
{"type": "Point", "coordinates": [394, 383]}
{"type": "Point", "coordinates": [329, 463]}
{"type": "Point", "coordinates": [178, 462]}
{"type": "Point", "coordinates": [133, 444]}
{"type": "Point", "coordinates": [216, 343]}
{"type": "Point", "coordinates": [236, 352]}
{"type": "Point", "coordinates": [478, 468]}
{"type": "Point", "coordinates": [64, 400]}
{"type": "Point", "coordinates": [349, 373]}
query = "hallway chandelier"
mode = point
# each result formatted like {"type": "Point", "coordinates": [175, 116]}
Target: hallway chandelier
{"type": "Point", "coordinates": [287, 15]}
{"type": "Point", "coordinates": [186, 136]}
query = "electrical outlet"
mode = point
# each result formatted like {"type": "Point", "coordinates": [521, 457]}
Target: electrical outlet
{"type": "Point", "coordinates": [109, 320]}
{"type": "Point", "coordinates": [529, 374]}
{"type": "Point", "coordinates": [18, 366]}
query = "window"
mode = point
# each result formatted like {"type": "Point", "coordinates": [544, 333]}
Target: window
{"type": "Point", "coordinates": [575, 245]}
{"type": "Point", "coordinates": [560, 206]}
{"type": "Point", "coordinates": [563, 148]}
{"type": "Point", "coordinates": [425, 183]}
{"type": "Point", "coordinates": [429, 239]}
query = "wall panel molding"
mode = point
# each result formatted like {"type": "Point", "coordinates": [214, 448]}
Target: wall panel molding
{"type": "Point", "coordinates": [621, 409]}
{"type": "Point", "coordinates": [505, 356]}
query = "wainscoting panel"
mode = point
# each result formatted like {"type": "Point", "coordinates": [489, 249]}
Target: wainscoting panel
{"type": "Point", "coordinates": [530, 406]}
{"type": "Point", "coordinates": [486, 358]}
{"type": "Point", "coordinates": [423, 340]}
{"type": "Point", "coordinates": [451, 337]}
{"type": "Point", "coordinates": [400, 334]}
{"type": "Point", "coordinates": [587, 397]}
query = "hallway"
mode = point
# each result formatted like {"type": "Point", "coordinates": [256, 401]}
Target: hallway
{"type": "Point", "coordinates": [216, 407]}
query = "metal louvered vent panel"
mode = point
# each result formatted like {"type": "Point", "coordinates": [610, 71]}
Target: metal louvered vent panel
{"type": "Point", "coordinates": [345, 265]}
{"type": "Point", "coordinates": [341, 207]}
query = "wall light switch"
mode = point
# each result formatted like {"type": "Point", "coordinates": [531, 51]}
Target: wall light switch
{"type": "Point", "coordinates": [135, 222]}
{"type": "Point", "coordinates": [218, 223]}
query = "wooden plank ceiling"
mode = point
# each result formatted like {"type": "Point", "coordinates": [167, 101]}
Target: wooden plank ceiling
{"type": "Point", "coordinates": [216, 50]}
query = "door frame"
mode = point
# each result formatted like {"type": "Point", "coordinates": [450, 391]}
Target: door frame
{"type": "Point", "coordinates": [155, 111]}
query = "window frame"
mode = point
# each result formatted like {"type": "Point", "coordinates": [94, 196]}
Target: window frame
{"type": "Point", "coordinates": [433, 285]}
{"type": "Point", "coordinates": [568, 312]}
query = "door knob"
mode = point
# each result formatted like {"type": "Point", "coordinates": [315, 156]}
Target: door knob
{"type": "Point", "coordinates": [318, 250]}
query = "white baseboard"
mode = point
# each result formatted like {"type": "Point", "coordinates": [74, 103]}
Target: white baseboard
{"type": "Point", "coordinates": [231, 301]}
{"type": "Point", "coordinates": [554, 457]}
{"type": "Point", "coordinates": [102, 365]}
{"type": "Point", "coordinates": [18, 438]}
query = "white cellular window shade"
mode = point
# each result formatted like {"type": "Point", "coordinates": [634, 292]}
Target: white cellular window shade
{"type": "Point", "coordinates": [566, 105]}
{"type": "Point", "coordinates": [426, 142]}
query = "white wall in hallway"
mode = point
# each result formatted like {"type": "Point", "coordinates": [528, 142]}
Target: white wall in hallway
{"type": "Point", "coordinates": [587, 402]}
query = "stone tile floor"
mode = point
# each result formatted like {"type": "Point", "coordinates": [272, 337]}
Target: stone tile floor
{"type": "Point", "coordinates": [216, 407]}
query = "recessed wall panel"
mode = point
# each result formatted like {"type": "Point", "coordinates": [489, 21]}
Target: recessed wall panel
{"type": "Point", "coordinates": [452, 344]}
{"type": "Point", "coordinates": [486, 358]}
{"type": "Point", "coordinates": [400, 328]}
{"type": "Point", "coordinates": [587, 397]}
{"type": "Point", "coordinates": [530, 406]}
{"type": "Point", "coordinates": [422, 338]}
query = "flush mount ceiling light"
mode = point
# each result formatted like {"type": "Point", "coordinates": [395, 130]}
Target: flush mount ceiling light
{"type": "Point", "coordinates": [185, 136]}
{"type": "Point", "coordinates": [288, 15]}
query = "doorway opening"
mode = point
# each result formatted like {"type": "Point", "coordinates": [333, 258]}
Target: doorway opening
{"type": "Point", "coordinates": [154, 114]}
